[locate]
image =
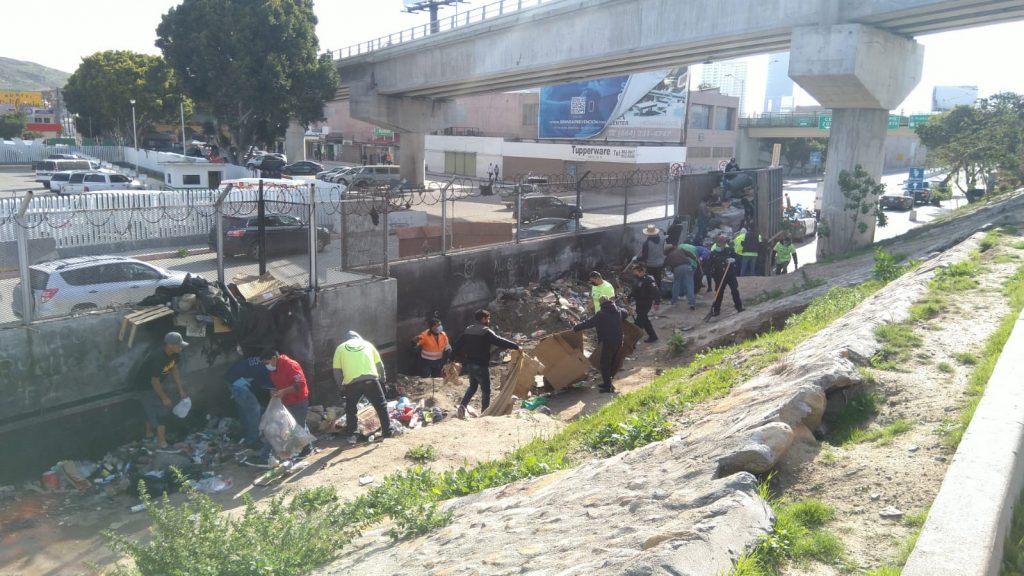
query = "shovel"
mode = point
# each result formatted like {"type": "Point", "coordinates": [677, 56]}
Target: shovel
{"type": "Point", "coordinates": [718, 291]}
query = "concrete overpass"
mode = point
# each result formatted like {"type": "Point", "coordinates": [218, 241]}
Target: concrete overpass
{"type": "Point", "coordinates": [857, 58]}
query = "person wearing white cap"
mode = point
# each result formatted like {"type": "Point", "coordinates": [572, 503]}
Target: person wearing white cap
{"type": "Point", "coordinates": [652, 253]}
{"type": "Point", "coordinates": [156, 402]}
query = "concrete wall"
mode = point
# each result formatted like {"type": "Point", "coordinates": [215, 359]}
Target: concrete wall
{"type": "Point", "coordinates": [67, 385]}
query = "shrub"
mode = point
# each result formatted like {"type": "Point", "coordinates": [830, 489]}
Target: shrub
{"type": "Point", "coordinates": [637, 431]}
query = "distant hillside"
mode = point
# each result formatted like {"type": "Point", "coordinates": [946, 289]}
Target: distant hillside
{"type": "Point", "coordinates": [29, 76]}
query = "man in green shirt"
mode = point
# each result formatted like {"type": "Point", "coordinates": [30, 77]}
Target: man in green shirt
{"type": "Point", "coordinates": [358, 371]}
{"type": "Point", "coordinates": [600, 287]}
{"type": "Point", "coordinates": [784, 252]}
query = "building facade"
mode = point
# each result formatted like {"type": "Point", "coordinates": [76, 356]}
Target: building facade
{"type": "Point", "coordinates": [730, 77]}
{"type": "Point", "coordinates": [778, 93]}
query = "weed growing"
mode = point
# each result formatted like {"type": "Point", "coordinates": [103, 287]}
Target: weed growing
{"type": "Point", "coordinates": [991, 240]}
{"type": "Point", "coordinates": [887, 266]}
{"type": "Point", "coordinates": [957, 277]}
{"type": "Point", "coordinates": [898, 341]}
{"type": "Point", "coordinates": [1018, 245]}
{"type": "Point", "coordinates": [894, 569]}
{"type": "Point", "coordinates": [800, 535]}
{"type": "Point", "coordinates": [884, 435]}
{"type": "Point", "coordinates": [986, 363]}
{"type": "Point", "coordinates": [677, 343]}
{"type": "Point", "coordinates": [965, 358]}
{"type": "Point", "coordinates": [945, 367]}
{"type": "Point", "coordinates": [422, 453]}
{"type": "Point", "coordinates": [844, 424]}
{"type": "Point", "coordinates": [638, 431]}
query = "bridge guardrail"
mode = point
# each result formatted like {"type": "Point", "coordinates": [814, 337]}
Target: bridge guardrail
{"type": "Point", "coordinates": [476, 15]}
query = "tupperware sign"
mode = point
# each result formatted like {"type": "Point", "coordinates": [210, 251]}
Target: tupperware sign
{"type": "Point", "coordinates": [645, 107]}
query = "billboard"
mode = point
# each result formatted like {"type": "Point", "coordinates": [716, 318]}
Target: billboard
{"type": "Point", "coordinates": [644, 107]}
{"type": "Point", "coordinates": [15, 98]}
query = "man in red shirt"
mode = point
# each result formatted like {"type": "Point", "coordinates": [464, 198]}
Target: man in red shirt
{"type": "Point", "coordinates": [290, 382]}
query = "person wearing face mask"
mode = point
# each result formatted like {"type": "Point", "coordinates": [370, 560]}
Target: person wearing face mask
{"type": "Point", "coordinates": [434, 348]}
{"type": "Point", "coordinates": [600, 288]}
{"type": "Point", "coordinates": [290, 386]}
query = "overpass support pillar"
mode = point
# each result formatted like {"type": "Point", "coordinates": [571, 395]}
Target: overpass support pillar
{"type": "Point", "coordinates": [412, 156]}
{"type": "Point", "coordinates": [295, 141]}
{"type": "Point", "coordinates": [861, 73]}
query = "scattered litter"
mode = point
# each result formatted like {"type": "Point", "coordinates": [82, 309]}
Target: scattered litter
{"type": "Point", "coordinates": [364, 480]}
{"type": "Point", "coordinates": [212, 485]}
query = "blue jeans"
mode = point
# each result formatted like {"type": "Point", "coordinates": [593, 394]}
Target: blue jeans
{"type": "Point", "coordinates": [682, 279]}
{"type": "Point", "coordinates": [248, 410]}
{"type": "Point", "coordinates": [748, 265]}
{"type": "Point", "coordinates": [479, 376]}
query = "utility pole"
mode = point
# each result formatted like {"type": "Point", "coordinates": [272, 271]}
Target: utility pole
{"type": "Point", "coordinates": [432, 6]}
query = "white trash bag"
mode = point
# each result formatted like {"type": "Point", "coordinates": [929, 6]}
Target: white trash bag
{"type": "Point", "coordinates": [280, 430]}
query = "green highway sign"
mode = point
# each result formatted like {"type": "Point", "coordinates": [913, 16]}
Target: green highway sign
{"type": "Point", "coordinates": [917, 119]}
{"type": "Point", "coordinates": [383, 133]}
{"type": "Point", "coordinates": [804, 122]}
{"type": "Point", "coordinates": [825, 122]}
{"type": "Point", "coordinates": [894, 121]}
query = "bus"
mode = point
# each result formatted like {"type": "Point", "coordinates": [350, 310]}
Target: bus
{"type": "Point", "coordinates": [45, 168]}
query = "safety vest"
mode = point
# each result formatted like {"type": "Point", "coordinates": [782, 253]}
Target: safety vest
{"type": "Point", "coordinates": [432, 346]}
{"type": "Point", "coordinates": [356, 358]}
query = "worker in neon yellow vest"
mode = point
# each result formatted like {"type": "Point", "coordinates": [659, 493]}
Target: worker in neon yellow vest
{"type": "Point", "coordinates": [600, 287]}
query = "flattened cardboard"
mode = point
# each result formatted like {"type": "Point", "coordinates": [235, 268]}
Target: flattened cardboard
{"type": "Point", "coordinates": [563, 359]}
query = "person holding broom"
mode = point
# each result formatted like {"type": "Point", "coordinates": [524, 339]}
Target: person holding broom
{"type": "Point", "coordinates": [723, 263]}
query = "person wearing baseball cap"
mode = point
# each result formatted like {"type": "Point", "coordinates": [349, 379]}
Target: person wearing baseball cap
{"type": "Point", "coordinates": [156, 402]}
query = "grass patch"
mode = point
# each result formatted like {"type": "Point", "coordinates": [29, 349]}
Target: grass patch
{"type": "Point", "coordinates": [800, 535]}
{"type": "Point", "coordinates": [884, 435]}
{"type": "Point", "coordinates": [897, 341]}
{"type": "Point", "coordinates": [904, 552]}
{"type": "Point", "coordinates": [887, 266]}
{"type": "Point", "coordinates": [945, 367]}
{"type": "Point", "coordinates": [844, 424]}
{"type": "Point", "coordinates": [928, 309]}
{"type": "Point", "coordinates": [421, 453]}
{"type": "Point", "coordinates": [916, 519]}
{"type": "Point", "coordinates": [990, 240]}
{"type": "Point", "coordinates": [677, 343]}
{"type": "Point", "coordinates": [1018, 245]}
{"type": "Point", "coordinates": [409, 498]}
{"type": "Point", "coordinates": [965, 358]}
{"type": "Point", "coordinates": [1006, 258]}
{"type": "Point", "coordinates": [1013, 289]}
{"type": "Point", "coordinates": [957, 277]}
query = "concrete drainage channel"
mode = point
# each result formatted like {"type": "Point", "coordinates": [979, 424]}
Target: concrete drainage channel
{"type": "Point", "coordinates": [968, 522]}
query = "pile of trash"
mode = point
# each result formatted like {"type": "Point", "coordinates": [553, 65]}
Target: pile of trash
{"type": "Point", "coordinates": [534, 311]}
{"type": "Point", "coordinates": [403, 413]}
{"type": "Point", "coordinates": [120, 470]}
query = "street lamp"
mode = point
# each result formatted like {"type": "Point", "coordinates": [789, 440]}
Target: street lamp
{"type": "Point", "coordinates": [135, 139]}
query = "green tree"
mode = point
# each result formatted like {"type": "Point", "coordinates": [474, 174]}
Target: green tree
{"type": "Point", "coordinates": [12, 124]}
{"type": "Point", "coordinates": [972, 142]}
{"type": "Point", "coordinates": [101, 90]}
{"type": "Point", "coordinates": [854, 225]}
{"type": "Point", "coordinates": [253, 65]}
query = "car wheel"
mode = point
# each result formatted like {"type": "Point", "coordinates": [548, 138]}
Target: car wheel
{"type": "Point", "coordinates": [83, 307]}
{"type": "Point", "coordinates": [254, 251]}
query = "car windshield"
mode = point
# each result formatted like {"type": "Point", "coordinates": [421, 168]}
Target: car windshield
{"type": "Point", "coordinates": [544, 227]}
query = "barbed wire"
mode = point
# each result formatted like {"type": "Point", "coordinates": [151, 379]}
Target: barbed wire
{"type": "Point", "coordinates": [182, 206]}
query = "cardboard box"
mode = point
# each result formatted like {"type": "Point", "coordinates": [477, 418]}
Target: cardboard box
{"type": "Point", "coordinates": [519, 379]}
{"type": "Point", "coordinates": [631, 334]}
{"type": "Point", "coordinates": [564, 361]}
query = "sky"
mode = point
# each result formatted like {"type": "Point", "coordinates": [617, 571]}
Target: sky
{"type": "Point", "coordinates": [966, 57]}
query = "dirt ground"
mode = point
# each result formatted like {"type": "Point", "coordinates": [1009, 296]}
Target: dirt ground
{"type": "Point", "coordinates": [859, 480]}
{"type": "Point", "coordinates": [57, 534]}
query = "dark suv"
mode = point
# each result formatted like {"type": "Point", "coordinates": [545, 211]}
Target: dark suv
{"type": "Point", "coordinates": [285, 234]}
{"type": "Point", "coordinates": [541, 206]}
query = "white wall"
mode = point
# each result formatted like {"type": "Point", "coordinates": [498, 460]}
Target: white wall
{"type": "Point", "coordinates": [488, 151]}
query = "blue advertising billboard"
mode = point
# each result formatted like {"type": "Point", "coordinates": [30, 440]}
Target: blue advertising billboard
{"type": "Point", "coordinates": [644, 107]}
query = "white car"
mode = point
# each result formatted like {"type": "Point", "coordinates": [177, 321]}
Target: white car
{"type": "Point", "coordinates": [59, 179]}
{"type": "Point", "coordinates": [99, 181]}
{"type": "Point", "coordinates": [74, 285]}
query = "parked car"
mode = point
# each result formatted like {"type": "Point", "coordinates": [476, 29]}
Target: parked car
{"type": "Point", "coordinates": [286, 234]}
{"type": "Point", "coordinates": [325, 174]}
{"type": "Point", "coordinates": [59, 179]}
{"type": "Point", "coordinates": [923, 195]}
{"type": "Point", "coordinates": [544, 226]}
{"type": "Point", "coordinates": [97, 181]}
{"type": "Point", "coordinates": [302, 168]}
{"type": "Point", "coordinates": [903, 200]}
{"type": "Point", "coordinates": [541, 206]}
{"type": "Point", "coordinates": [266, 161]}
{"type": "Point", "coordinates": [374, 175]}
{"type": "Point", "coordinates": [338, 176]}
{"type": "Point", "coordinates": [73, 285]}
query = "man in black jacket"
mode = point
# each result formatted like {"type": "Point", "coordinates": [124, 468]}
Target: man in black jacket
{"type": "Point", "coordinates": [723, 262]}
{"type": "Point", "coordinates": [608, 322]}
{"type": "Point", "coordinates": [645, 295]}
{"type": "Point", "coordinates": [473, 347]}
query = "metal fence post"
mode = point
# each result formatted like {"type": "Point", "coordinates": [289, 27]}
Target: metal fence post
{"type": "Point", "coordinates": [343, 242]}
{"type": "Point", "coordinates": [23, 263]}
{"type": "Point", "coordinates": [219, 216]}
{"type": "Point", "coordinates": [386, 225]}
{"type": "Point", "coordinates": [519, 209]}
{"type": "Point", "coordinates": [261, 216]}
{"type": "Point", "coordinates": [444, 216]}
{"type": "Point", "coordinates": [314, 282]}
